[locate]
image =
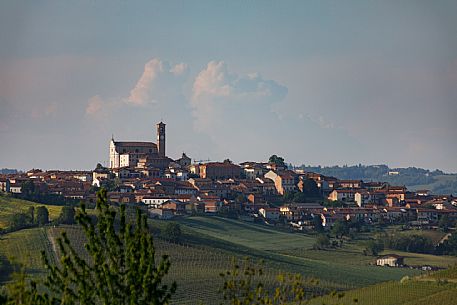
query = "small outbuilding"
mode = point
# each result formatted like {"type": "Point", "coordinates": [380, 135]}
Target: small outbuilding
{"type": "Point", "coordinates": [391, 260]}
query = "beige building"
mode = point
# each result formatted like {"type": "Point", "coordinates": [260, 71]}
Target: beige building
{"type": "Point", "coordinates": [391, 260]}
{"type": "Point", "coordinates": [284, 181]}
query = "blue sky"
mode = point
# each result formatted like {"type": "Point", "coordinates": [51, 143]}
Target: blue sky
{"type": "Point", "coordinates": [318, 82]}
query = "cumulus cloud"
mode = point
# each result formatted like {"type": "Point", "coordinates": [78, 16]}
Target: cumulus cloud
{"type": "Point", "coordinates": [143, 92]}
{"type": "Point", "coordinates": [217, 91]}
{"type": "Point", "coordinates": [139, 95]}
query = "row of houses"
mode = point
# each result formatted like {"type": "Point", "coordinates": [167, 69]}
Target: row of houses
{"type": "Point", "coordinates": [249, 188]}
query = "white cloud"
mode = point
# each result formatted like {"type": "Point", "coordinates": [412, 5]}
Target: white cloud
{"type": "Point", "coordinates": [179, 69]}
{"type": "Point", "coordinates": [158, 77]}
{"type": "Point", "coordinates": [213, 81]}
{"type": "Point", "coordinates": [216, 92]}
{"type": "Point", "coordinates": [139, 95]}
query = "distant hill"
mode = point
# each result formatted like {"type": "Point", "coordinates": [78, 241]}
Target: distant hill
{"type": "Point", "coordinates": [437, 181]}
{"type": "Point", "coordinates": [8, 171]}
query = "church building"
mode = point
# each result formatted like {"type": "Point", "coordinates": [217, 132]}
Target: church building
{"type": "Point", "coordinates": [128, 154]}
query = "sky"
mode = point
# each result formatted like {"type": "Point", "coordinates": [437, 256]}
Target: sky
{"type": "Point", "coordinates": [317, 82]}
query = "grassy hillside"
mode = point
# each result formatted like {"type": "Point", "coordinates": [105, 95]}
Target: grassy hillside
{"type": "Point", "coordinates": [443, 184]}
{"type": "Point", "coordinates": [10, 206]}
{"type": "Point", "coordinates": [24, 247]}
{"type": "Point", "coordinates": [395, 293]}
{"type": "Point", "coordinates": [195, 269]}
{"type": "Point", "coordinates": [437, 288]}
{"type": "Point", "coordinates": [292, 252]}
{"type": "Point", "coordinates": [211, 242]}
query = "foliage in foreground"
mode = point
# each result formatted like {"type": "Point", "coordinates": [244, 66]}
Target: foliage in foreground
{"type": "Point", "coordinates": [121, 268]}
{"type": "Point", "coordinates": [243, 285]}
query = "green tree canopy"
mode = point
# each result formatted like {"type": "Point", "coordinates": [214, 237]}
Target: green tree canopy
{"type": "Point", "coordinates": [19, 221]}
{"type": "Point", "coordinates": [42, 215]}
{"type": "Point", "coordinates": [322, 242]}
{"type": "Point", "coordinates": [28, 188]}
{"type": "Point", "coordinates": [340, 228]}
{"type": "Point", "coordinates": [310, 188]}
{"type": "Point", "coordinates": [445, 223]}
{"type": "Point", "coordinates": [31, 214]}
{"type": "Point", "coordinates": [299, 197]}
{"type": "Point", "coordinates": [67, 215]}
{"type": "Point", "coordinates": [279, 161]}
{"type": "Point", "coordinates": [373, 247]}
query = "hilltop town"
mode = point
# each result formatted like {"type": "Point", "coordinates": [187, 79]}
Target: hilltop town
{"type": "Point", "coordinates": [141, 173]}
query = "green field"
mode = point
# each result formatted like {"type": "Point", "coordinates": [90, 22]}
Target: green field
{"type": "Point", "coordinates": [24, 247]}
{"type": "Point", "coordinates": [395, 293]}
{"type": "Point", "coordinates": [292, 252]}
{"type": "Point", "coordinates": [195, 269]}
{"type": "Point", "coordinates": [10, 206]}
{"type": "Point", "coordinates": [210, 243]}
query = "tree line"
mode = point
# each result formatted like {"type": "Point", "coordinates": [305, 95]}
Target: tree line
{"type": "Point", "coordinates": [38, 217]}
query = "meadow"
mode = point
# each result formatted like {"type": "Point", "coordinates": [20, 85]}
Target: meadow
{"type": "Point", "coordinates": [10, 206]}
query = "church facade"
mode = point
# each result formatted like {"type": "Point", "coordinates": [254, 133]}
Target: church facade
{"type": "Point", "coordinates": [129, 154]}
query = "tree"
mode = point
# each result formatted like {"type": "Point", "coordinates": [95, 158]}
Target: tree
{"type": "Point", "coordinates": [411, 243]}
{"type": "Point", "coordinates": [19, 221]}
{"type": "Point", "coordinates": [373, 247]}
{"type": "Point", "coordinates": [121, 268]}
{"type": "Point", "coordinates": [289, 196]}
{"type": "Point", "coordinates": [445, 223]}
{"type": "Point", "coordinates": [28, 188]}
{"type": "Point", "coordinates": [310, 188]}
{"type": "Point", "coordinates": [299, 197]}
{"type": "Point", "coordinates": [318, 223]}
{"type": "Point", "coordinates": [449, 246]}
{"type": "Point", "coordinates": [322, 242]}
{"type": "Point", "coordinates": [172, 232]}
{"type": "Point", "coordinates": [31, 214]}
{"type": "Point", "coordinates": [67, 215]}
{"type": "Point", "coordinates": [42, 215]}
{"type": "Point", "coordinates": [340, 228]}
{"type": "Point", "coordinates": [244, 285]}
{"type": "Point", "coordinates": [279, 161]}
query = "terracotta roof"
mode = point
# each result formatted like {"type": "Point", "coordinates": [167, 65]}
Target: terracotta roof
{"type": "Point", "coordinates": [144, 144]}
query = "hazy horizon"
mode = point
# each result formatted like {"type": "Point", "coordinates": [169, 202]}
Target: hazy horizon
{"type": "Point", "coordinates": [317, 82]}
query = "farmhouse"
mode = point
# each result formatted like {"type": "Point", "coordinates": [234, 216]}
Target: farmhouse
{"type": "Point", "coordinates": [391, 260]}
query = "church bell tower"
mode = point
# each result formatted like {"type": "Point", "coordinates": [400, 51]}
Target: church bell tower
{"type": "Point", "coordinates": [161, 139]}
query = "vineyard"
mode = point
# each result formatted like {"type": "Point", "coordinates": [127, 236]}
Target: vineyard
{"type": "Point", "coordinates": [411, 292]}
{"type": "Point", "coordinates": [345, 268]}
{"type": "Point", "coordinates": [195, 269]}
{"type": "Point", "coordinates": [24, 247]}
{"type": "Point", "coordinates": [209, 244]}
